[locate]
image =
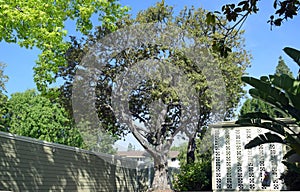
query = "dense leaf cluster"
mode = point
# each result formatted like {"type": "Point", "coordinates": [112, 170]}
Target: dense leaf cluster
{"type": "Point", "coordinates": [41, 24]}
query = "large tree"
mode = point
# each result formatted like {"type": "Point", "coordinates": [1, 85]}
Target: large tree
{"type": "Point", "coordinates": [33, 115]}
{"type": "Point", "coordinates": [42, 23]}
{"type": "Point", "coordinates": [154, 103]}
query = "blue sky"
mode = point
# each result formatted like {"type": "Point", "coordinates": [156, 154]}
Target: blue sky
{"type": "Point", "coordinates": [264, 45]}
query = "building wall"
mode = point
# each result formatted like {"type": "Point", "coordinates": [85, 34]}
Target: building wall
{"type": "Point", "coordinates": [236, 168]}
{"type": "Point", "coordinates": [31, 165]}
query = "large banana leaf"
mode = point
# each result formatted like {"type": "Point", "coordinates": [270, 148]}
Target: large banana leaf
{"type": "Point", "coordinates": [290, 86]}
{"type": "Point", "coordinates": [263, 139]}
{"type": "Point", "coordinates": [287, 83]}
{"type": "Point", "coordinates": [255, 93]}
{"type": "Point", "coordinates": [289, 153]}
{"type": "Point", "coordinates": [286, 101]}
{"type": "Point", "coordinates": [266, 90]}
{"type": "Point", "coordinates": [250, 119]}
{"type": "Point", "coordinates": [293, 53]}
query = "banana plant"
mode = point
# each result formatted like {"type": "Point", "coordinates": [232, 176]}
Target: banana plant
{"type": "Point", "coordinates": [283, 93]}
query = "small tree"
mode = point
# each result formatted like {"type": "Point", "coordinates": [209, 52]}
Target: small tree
{"type": "Point", "coordinates": [32, 115]}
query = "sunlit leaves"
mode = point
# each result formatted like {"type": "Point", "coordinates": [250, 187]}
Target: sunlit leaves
{"type": "Point", "coordinates": [41, 24]}
{"type": "Point", "coordinates": [32, 115]}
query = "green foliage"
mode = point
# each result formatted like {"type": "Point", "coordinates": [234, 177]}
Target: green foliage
{"type": "Point", "coordinates": [282, 68]}
{"type": "Point", "coordinates": [284, 10]}
{"type": "Point", "coordinates": [41, 24]}
{"type": "Point", "coordinates": [32, 115]}
{"type": "Point", "coordinates": [237, 13]}
{"type": "Point", "coordinates": [258, 105]}
{"type": "Point", "coordinates": [97, 141]}
{"type": "Point", "coordinates": [191, 21]}
{"type": "Point", "coordinates": [3, 98]}
{"type": "Point", "coordinates": [194, 177]}
{"type": "Point", "coordinates": [3, 112]}
{"type": "Point", "coordinates": [283, 93]}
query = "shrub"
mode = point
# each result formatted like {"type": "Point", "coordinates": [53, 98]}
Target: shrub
{"type": "Point", "coordinates": [194, 177]}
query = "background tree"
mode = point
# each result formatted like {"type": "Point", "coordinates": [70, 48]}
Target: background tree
{"type": "Point", "coordinates": [32, 115]}
{"type": "Point", "coordinates": [3, 98]}
{"type": "Point", "coordinates": [258, 105]}
{"type": "Point", "coordinates": [95, 140]}
{"type": "Point", "coordinates": [155, 141]}
{"type": "Point", "coordinates": [282, 68]}
{"type": "Point", "coordinates": [42, 24]}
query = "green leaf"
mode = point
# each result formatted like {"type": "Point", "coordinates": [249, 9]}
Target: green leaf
{"type": "Point", "coordinates": [293, 53]}
{"type": "Point", "coordinates": [266, 92]}
{"type": "Point", "coordinates": [251, 119]}
{"type": "Point", "coordinates": [289, 153]}
{"type": "Point", "coordinates": [263, 139]}
{"type": "Point", "coordinates": [294, 167]}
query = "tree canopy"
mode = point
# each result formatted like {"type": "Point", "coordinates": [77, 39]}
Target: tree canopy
{"type": "Point", "coordinates": [33, 115]}
{"type": "Point", "coordinates": [42, 24]}
{"type": "Point", "coordinates": [256, 105]}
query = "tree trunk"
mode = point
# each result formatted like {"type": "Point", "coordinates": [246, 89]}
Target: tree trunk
{"type": "Point", "coordinates": [160, 181]}
{"type": "Point", "coordinates": [190, 156]}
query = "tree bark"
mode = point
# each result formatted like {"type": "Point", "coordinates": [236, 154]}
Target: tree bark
{"type": "Point", "coordinates": [190, 156]}
{"type": "Point", "coordinates": [160, 181]}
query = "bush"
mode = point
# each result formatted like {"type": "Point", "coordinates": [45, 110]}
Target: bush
{"type": "Point", "coordinates": [194, 177]}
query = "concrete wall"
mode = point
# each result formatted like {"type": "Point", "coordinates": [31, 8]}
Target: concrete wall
{"type": "Point", "coordinates": [32, 165]}
{"type": "Point", "coordinates": [235, 168]}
